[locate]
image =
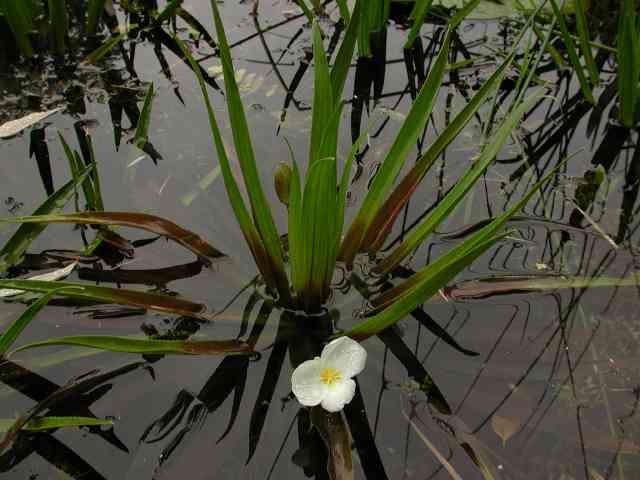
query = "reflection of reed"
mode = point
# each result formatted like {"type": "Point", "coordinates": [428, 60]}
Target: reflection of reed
{"type": "Point", "coordinates": [565, 245]}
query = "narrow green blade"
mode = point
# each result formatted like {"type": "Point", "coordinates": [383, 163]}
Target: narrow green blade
{"type": "Point", "coordinates": [146, 346]}
{"type": "Point", "coordinates": [143, 221]}
{"type": "Point", "coordinates": [391, 166]}
{"type": "Point", "coordinates": [119, 296]}
{"type": "Point", "coordinates": [386, 216]}
{"type": "Point", "coordinates": [323, 102]}
{"type": "Point", "coordinates": [419, 13]}
{"type": "Point", "coordinates": [455, 196]}
{"type": "Point", "coordinates": [94, 13]}
{"type": "Point", "coordinates": [142, 129]}
{"type": "Point", "coordinates": [244, 149]}
{"type": "Point", "coordinates": [15, 247]}
{"type": "Point", "coordinates": [319, 207]}
{"type": "Point", "coordinates": [233, 192]}
{"type": "Point", "coordinates": [16, 328]}
{"type": "Point", "coordinates": [573, 54]}
{"type": "Point", "coordinates": [59, 24]}
{"type": "Point", "coordinates": [50, 423]}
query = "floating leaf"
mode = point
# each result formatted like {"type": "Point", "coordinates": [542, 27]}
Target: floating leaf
{"type": "Point", "coordinates": [13, 127]}
{"type": "Point", "coordinates": [146, 346]}
{"type": "Point", "coordinates": [120, 296]}
{"type": "Point", "coordinates": [505, 427]}
{"type": "Point", "coordinates": [143, 221]}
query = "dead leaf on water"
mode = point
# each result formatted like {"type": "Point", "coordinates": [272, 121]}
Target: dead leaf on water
{"type": "Point", "coordinates": [505, 427]}
{"type": "Point", "coordinates": [13, 127]}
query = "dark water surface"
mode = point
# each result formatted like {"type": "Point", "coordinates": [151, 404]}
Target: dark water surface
{"type": "Point", "coordinates": [554, 389]}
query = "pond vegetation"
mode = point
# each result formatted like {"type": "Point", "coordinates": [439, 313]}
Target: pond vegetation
{"type": "Point", "coordinates": [473, 227]}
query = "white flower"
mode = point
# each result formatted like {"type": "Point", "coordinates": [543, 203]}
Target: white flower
{"type": "Point", "coordinates": [327, 379]}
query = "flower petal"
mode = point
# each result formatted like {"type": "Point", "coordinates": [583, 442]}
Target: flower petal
{"type": "Point", "coordinates": [306, 383]}
{"type": "Point", "coordinates": [339, 395]}
{"type": "Point", "coordinates": [345, 355]}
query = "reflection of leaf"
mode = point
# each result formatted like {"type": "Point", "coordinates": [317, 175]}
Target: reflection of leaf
{"type": "Point", "coordinates": [365, 443]}
{"type": "Point", "coordinates": [13, 127]}
{"type": "Point", "coordinates": [505, 427]}
{"type": "Point", "coordinates": [267, 389]}
{"type": "Point", "coordinates": [335, 434]}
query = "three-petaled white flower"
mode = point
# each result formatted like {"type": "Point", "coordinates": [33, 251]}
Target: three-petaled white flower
{"type": "Point", "coordinates": [327, 379]}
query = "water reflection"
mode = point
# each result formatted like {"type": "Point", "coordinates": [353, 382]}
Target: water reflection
{"type": "Point", "coordinates": [540, 356]}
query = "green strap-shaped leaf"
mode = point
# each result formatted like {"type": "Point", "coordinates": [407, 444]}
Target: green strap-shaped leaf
{"type": "Point", "coordinates": [143, 221]}
{"type": "Point", "coordinates": [15, 247]}
{"type": "Point", "coordinates": [323, 103]}
{"type": "Point", "coordinates": [393, 162]}
{"type": "Point", "coordinates": [343, 59]}
{"type": "Point", "coordinates": [455, 196]}
{"type": "Point", "coordinates": [319, 205]}
{"type": "Point", "coordinates": [49, 423]}
{"type": "Point", "coordinates": [585, 41]}
{"type": "Point", "coordinates": [485, 234]}
{"type": "Point", "coordinates": [19, 17]}
{"type": "Point", "coordinates": [387, 214]}
{"type": "Point", "coordinates": [427, 282]}
{"type": "Point", "coordinates": [142, 129]}
{"type": "Point", "coordinates": [573, 54]}
{"type": "Point", "coordinates": [146, 346]}
{"type": "Point", "coordinates": [297, 251]}
{"type": "Point", "coordinates": [11, 334]}
{"type": "Point", "coordinates": [628, 45]}
{"type": "Point", "coordinates": [94, 13]}
{"type": "Point", "coordinates": [418, 14]}
{"type": "Point", "coordinates": [244, 149]}
{"type": "Point", "coordinates": [120, 296]}
{"type": "Point", "coordinates": [106, 47]}
{"type": "Point", "coordinates": [59, 23]}
{"type": "Point", "coordinates": [233, 192]}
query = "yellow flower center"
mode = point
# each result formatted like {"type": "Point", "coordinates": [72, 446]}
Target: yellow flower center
{"type": "Point", "coordinates": [329, 376]}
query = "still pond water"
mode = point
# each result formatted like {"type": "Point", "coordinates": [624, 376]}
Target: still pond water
{"type": "Point", "coordinates": [554, 388]}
